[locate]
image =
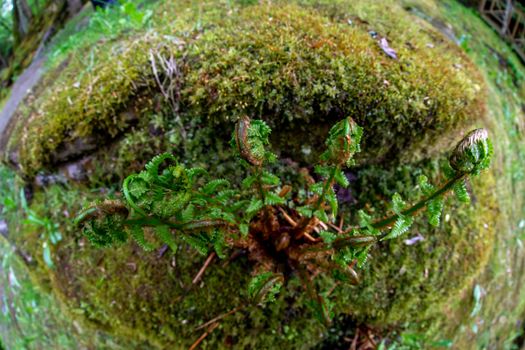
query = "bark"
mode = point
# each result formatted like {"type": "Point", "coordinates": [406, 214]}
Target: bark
{"type": "Point", "coordinates": [74, 7]}
{"type": "Point", "coordinates": [3, 61]}
{"type": "Point", "coordinates": [22, 16]}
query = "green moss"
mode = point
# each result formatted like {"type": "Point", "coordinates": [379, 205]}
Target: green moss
{"type": "Point", "coordinates": [412, 283]}
{"type": "Point", "coordinates": [292, 64]}
{"type": "Point", "coordinates": [323, 69]}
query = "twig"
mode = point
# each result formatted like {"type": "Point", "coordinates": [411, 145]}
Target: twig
{"type": "Point", "coordinates": [354, 342]}
{"type": "Point", "coordinates": [204, 335]}
{"type": "Point", "coordinates": [287, 217]}
{"type": "Point", "coordinates": [208, 261]}
{"type": "Point", "coordinates": [310, 238]}
{"type": "Point", "coordinates": [331, 290]}
{"type": "Point", "coordinates": [220, 317]}
{"type": "Point", "coordinates": [335, 227]}
{"type": "Point", "coordinates": [169, 85]}
{"type": "Point", "coordinates": [371, 338]}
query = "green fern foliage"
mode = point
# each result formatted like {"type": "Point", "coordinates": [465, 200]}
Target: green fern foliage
{"type": "Point", "coordinates": [264, 287]}
{"type": "Point", "coordinates": [170, 204]}
{"type": "Point", "coordinates": [460, 189]}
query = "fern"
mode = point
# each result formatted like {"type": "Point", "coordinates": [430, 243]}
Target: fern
{"type": "Point", "coordinates": [263, 287]}
{"type": "Point", "coordinates": [460, 189]}
{"type": "Point", "coordinates": [254, 206]}
{"type": "Point", "coordinates": [137, 232]}
{"type": "Point", "coordinates": [273, 199]}
{"type": "Point", "coordinates": [164, 233]}
{"type": "Point", "coordinates": [341, 179]}
{"type": "Point", "coordinates": [401, 226]}
{"type": "Point", "coordinates": [179, 204]}
{"type": "Point", "coordinates": [212, 186]}
{"type": "Point", "coordinates": [434, 210]}
{"type": "Point", "coordinates": [198, 242]}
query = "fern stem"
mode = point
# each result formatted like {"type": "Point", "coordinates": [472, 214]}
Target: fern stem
{"type": "Point", "coordinates": [329, 183]}
{"type": "Point", "coordinates": [260, 188]}
{"type": "Point", "coordinates": [388, 221]}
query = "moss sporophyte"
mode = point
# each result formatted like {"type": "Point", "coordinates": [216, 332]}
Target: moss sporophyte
{"type": "Point", "coordinates": [285, 232]}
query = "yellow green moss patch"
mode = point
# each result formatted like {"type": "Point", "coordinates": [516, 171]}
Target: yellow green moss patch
{"type": "Point", "coordinates": [296, 67]}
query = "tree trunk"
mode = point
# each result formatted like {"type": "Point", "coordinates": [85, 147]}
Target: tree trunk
{"type": "Point", "coordinates": [22, 16]}
{"type": "Point", "coordinates": [74, 7]}
{"type": "Point", "coordinates": [3, 62]}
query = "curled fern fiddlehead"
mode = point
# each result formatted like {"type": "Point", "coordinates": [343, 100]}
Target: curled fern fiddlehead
{"type": "Point", "coordinates": [472, 154]}
{"type": "Point", "coordinates": [342, 143]}
{"type": "Point", "coordinates": [251, 138]}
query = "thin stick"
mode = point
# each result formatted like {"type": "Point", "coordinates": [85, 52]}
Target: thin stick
{"type": "Point", "coordinates": [354, 342]}
{"type": "Point", "coordinates": [204, 335]}
{"type": "Point", "coordinates": [220, 317]}
{"type": "Point", "coordinates": [307, 235]}
{"type": "Point", "coordinates": [287, 217]}
{"type": "Point", "coordinates": [371, 338]}
{"type": "Point", "coordinates": [335, 227]}
{"type": "Point", "coordinates": [331, 290]}
{"type": "Point", "coordinates": [208, 261]}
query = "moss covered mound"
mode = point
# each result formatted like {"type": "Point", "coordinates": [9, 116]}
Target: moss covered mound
{"type": "Point", "coordinates": [148, 296]}
{"type": "Point", "coordinates": [298, 67]}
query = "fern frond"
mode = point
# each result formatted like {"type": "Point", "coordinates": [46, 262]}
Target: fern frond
{"type": "Point", "coordinates": [434, 210]}
{"type": "Point", "coordinates": [305, 211]}
{"type": "Point", "coordinates": [327, 236]}
{"type": "Point", "coordinates": [398, 204]}
{"type": "Point", "coordinates": [193, 173]}
{"type": "Point", "coordinates": [343, 142]}
{"type": "Point", "coordinates": [323, 170]}
{"type": "Point", "coordinates": [165, 235]}
{"type": "Point", "coordinates": [248, 181]}
{"type": "Point", "coordinates": [321, 215]}
{"type": "Point", "coordinates": [198, 242]}
{"type": "Point", "coordinates": [137, 232]}
{"type": "Point", "coordinates": [460, 190]}
{"type": "Point", "coordinates": [152, 167]}
{"type": "Point", "coordinates": [273, 199]}
{"type": "Point", "coordinates": [424, 185]}
{"type": "Point", "coordinates": [219, 244]}
{"type": "Point", "coordinates": [362, 256]}
{"type": "Point", "coordinates": [250, 138]}
{"type": "Point", "coordinates": [366, 221]}
{"type": "Point", "coordinates": [317, 188]}
{"type": "Point", "coordinates": [331, 198]}
{"type": "Point", "coordinates": [212, 186]}
{"type": "Point", "coordinates": [401, 226]}
{"type": "Point", "coordinates": [254, 206]}
{"type": "Point", "coordinates": [244, 229]}
{"type": "Point", "coordinates": [129, 197]}
{"type": "Point", "coordinates": [188, 214]}
{"type": "Point", "coordinates": [263, 287]}
{"type": "Point", "coordinates": [268, 178]}
{"type": "Point", "coordinates": [341, 178]}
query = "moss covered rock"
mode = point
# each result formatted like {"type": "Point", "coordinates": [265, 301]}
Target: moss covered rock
{"type": "Point", "coordinates": [295, 66]}
{"type": "Point", "coordinates": [300, 66]}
